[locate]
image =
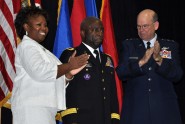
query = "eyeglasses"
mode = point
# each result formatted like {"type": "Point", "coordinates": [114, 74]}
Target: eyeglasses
{"type": "Point", "coordinates": [146, 26]}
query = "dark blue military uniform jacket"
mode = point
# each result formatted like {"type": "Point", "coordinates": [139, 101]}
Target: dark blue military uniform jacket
{"type": "Point", "coordinates": [91, 96]}
{"type": "Point", "coordinates": [149, 96]}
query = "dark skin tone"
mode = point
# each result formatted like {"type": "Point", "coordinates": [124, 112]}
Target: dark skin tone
{"type": "Point", "coordinates": [92, 35]}
{"type": "Point", "coordinates": [37, 30]}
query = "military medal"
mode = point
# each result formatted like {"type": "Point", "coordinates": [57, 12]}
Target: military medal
{"type": "Point", "coordinates": [165, 53]}
{"type": "Point", "coordinates": [87, 76]}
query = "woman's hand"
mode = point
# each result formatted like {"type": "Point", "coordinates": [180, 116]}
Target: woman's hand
{"type": "Point", "coordinates": [78, 62]}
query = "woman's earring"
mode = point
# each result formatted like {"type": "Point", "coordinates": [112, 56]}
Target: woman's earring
{"type": "Point", "coordinates": [26, 33]}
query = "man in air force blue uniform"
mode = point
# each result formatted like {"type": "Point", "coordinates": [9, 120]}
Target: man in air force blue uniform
{"type": "Point", "coordinates": [150, 66]}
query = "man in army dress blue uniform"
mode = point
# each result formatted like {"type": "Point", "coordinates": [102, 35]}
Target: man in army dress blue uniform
{"type": "Point", "coordinates": [91, 96]}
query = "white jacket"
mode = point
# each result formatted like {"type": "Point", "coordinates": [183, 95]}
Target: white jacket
{"type": "Point", "coordinates": [35, 83]}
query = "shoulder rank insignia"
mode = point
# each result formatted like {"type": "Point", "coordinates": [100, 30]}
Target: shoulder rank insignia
{"type": "Point", "coordinates": [165, 48]}
{"type": "Point", "coordinates": [88, 65]}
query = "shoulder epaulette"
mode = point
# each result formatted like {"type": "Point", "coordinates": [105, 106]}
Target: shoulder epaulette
{"type": "Point", "coordinates": [132, 39]}
{"type": "Point", "coordinates": [70, 48]}
{"type": "Point", "coordinates": [168, 40]}
{"type": "Point", "coordinates": [107, 54]}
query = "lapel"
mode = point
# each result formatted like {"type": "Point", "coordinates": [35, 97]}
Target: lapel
{"type": "Point", "coordinates": [160, 42]}
{"type": "Point", "coordinates": [103, 58]}
{"type": "Point", "coordinates": [140, 48]}
{"type": "Point", "coordinates": [151, 60]}
{"type": "Point", "coordinates": [83, 49]}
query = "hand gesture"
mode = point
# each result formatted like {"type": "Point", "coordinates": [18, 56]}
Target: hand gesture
{"type": "Point", "coordinates": [146, 57]}
{"type": "Point", "coordinates": [78, 61]}
{"type": "Point", "coordinates": [75, 71]}
{"type": "Point", "coordinates": [77, 64]}
{"type": "Point", "coordinates": [156, 50]}
{"type": "Point", "coordinates": [156, 55]}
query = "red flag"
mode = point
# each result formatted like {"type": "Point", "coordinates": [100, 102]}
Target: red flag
{"type": "Point", "coordinates": [77, 15]}
{"type": "Point", "coordinates": [8, 43]}
{"type": "Point", "coordinates": [109, 44]}
{"type": "Point", "coordinates": [38, 3]}
{"type": "Point", "coordinates": [16, 5]}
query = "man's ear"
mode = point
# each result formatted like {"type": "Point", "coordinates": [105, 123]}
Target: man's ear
{"type": "Point", "coordinates": [156, 24]}
{"type": "Point", "coordinates": [82, 33]}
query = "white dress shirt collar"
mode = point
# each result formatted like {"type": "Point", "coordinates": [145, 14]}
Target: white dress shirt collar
{"type": "Point", "coordinates": [152, 41]}
{"type": "Point", "coordinates": [91, 49]}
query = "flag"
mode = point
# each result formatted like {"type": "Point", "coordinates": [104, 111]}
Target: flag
{"type": "Point", "coordinates": [77, 15]}
{"type": "Point", "coordinates": [8, 44]}
{"type": "Point", "coordinates": [63, 38]}
{"type": "Point", "coordinates": [109, 43]}
{"type": "Point", "coordinates": [90, 7]}
{"type": "Point", "coordinates": [36, 3]}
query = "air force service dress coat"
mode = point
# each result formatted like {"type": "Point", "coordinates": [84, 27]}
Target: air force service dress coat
{"type": "Point", "coordinates": [149, 96]}
{"type": "Point", "coordinates": [91, 97]}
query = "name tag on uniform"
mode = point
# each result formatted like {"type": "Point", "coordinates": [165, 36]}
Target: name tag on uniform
{"type": "Point", "coordinates": [133, 57]}
{"type": "Point", "coordinates": [88, 65]}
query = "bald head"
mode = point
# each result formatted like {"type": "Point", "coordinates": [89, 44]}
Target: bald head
{"type": "Point", "coordinates": [147, 24]}
{"type": "Point", "coordinates": [88, 22]}
{"type": "Point", "coordinates": [149, 14]}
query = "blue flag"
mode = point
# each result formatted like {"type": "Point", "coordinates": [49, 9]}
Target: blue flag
{"type": "Point", "coordinates": [58, 122]}
{"type": "Point", "coordinates": [90, 6]}
{"type": "Point", "coordinates": [63, 38]}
